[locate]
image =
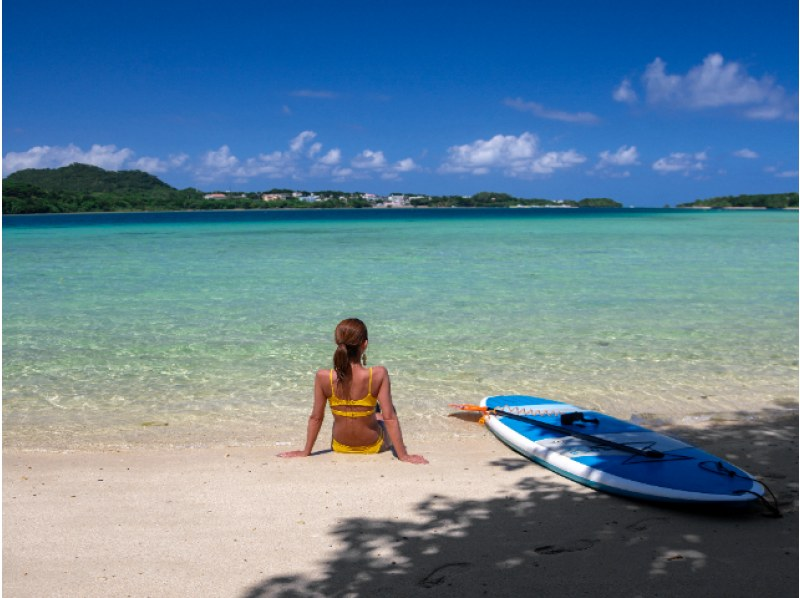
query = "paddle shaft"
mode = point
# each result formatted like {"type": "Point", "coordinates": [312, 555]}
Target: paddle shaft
{"type": "Point", "coordinates": [569, 432]}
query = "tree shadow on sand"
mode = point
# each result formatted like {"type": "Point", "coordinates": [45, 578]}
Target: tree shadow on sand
{"type": "Point", "coordinates": [547, 536]}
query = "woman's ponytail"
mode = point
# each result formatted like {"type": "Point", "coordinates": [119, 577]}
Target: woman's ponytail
{"type": "Point", "coordinates": [349, 336]}
{"type": "Point", "coordinates": [344, 371]}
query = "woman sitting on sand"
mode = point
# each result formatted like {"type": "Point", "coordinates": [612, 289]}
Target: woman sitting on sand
{"type": "Point", "coordinates": [357, 427]}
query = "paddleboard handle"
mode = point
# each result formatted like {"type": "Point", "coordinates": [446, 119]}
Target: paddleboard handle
{"type": "Point", "coordinates": [567, 419]}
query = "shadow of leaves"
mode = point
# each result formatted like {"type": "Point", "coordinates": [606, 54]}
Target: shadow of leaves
{"type": "Point", "coordinates": [546, 536]}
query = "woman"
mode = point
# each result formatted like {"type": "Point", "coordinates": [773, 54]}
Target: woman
{"type": "Point", "coordinates": [355, 392]}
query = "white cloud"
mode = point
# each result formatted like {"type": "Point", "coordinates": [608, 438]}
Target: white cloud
{"type": "Point", "coordinates": [400, 167]}
{"type": "Point", "coordinates": [157, 165]}
{"type": "Point", "coordinates": [781, 174]}
{"type": "Point", "coordinates": [680, 162]}
{"type": "Point", "coordinates": [717, 84]}
{"type": "Point", "coordinates": [151, 165]}
{"type": "Point", "coordinates": [611, 163]}
{"type": "Point", "coordinates": [296, 145]}
{"type": "Point", "coordinates": [45, 156]}
{"type": "Point", "coordinates": [332, 158]}
{"type": "Point", "coordinates": [220, 159]}
{"type": "Point", "coordinates": [302, 159]}
{"type": "Point", "coordinates": [406, 165]}
{"type": "Point", "coordinates": [542, 112]}
{"type": "Point", "coordinates": [369, 160]}
{"type": "Point", "coordinates": [515, 156]}
{"type": "Point", "coordinates": [624, 156]}
{"type": "Point", "coordinates": [625, 93]}
{"type": "Point", "coordinates": [746, 153]}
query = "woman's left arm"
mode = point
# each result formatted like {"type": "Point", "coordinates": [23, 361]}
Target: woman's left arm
{"type": "Point", "coordinates": [314, 420]}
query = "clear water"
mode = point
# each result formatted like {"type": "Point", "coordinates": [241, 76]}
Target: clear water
{"type": "Point", "coordinates": [205, 328]}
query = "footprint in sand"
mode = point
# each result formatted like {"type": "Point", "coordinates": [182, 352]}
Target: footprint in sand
{"type": "Point", "coordinates": [643, 524]}
{"type": "Point", "coordinates": [440, 574]}
{"type": "Point", "coordinates": [576, 546]}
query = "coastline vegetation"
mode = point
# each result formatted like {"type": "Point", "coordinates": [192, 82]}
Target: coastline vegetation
{"type": "Point", "coordinates": [85, 188]}
{"type": "Point", "coordinates": [769, 201]}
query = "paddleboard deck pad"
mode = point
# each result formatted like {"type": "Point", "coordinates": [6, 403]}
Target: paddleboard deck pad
{"type": "Point", "coordinates": [615, 456]}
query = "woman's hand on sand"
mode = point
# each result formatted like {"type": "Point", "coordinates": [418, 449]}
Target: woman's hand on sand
{"type": "Point", "coordinates": [293, 454]}
{"type": "Point", "coordinates": [415, 459]}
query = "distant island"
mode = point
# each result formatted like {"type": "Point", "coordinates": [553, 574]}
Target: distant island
{"type": "Point", "coordinates": [764, 201]}
{"type": "Point", "coordinates": [85, 188]}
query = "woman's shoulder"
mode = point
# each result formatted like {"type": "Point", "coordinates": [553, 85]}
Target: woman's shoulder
{"type": "Point", "coordinates": [323, 375]}
{"type": "Point", "coordinates": [379, 372]}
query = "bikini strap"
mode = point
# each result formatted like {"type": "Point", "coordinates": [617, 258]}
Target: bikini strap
{"type": "Point", "coordinates": [369, 388]}
{"type": "Point", "coordinates": [333, 390]}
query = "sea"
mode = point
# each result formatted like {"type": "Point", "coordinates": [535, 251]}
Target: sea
{"type": "Point", "coordinates": [204, 329]}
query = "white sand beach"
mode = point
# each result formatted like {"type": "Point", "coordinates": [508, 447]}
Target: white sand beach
{"type": "Point", "coordinates": [478, 520]}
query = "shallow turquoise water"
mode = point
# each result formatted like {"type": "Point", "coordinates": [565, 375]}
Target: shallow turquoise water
{"type": "Point", "coordinates": [215, 322]}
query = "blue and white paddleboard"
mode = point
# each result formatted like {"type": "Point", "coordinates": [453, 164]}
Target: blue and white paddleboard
{"type": "Point", "coordinates": [616, 456]}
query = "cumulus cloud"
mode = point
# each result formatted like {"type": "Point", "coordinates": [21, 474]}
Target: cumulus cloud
{"type": "Point", "coordinates": [331, 158]}
{"type": "Point", "coordinates": [625, 93]}
{"type": "Point", "coordinates": [304, 158]}
{"type": "Point", "coordinates": [296, 145]}
{"type": "Point", "coordinates": [614, 164]}
{"type": "Point", "coordinates": [680, 162]}
{"type": "Point", "coordinates": [45, 156]}
{"type": "Point", "coordinates": [151, 165]}
{"type": "Point", "coordinates": [514, 156]}
{"type": "Point", "coordinates": [371, 162]}
{"type": "Point", "coordinates": [746, 153]}
{"type": "Point", "coordinates": [542, 112]}
{"type": "Point", "coordinates": [624, 156]}
{"type": "Point", "coordinates": [713, 84]}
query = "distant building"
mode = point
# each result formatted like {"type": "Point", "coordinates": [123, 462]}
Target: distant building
{"type": "Point", "coordinates": [215, 196]}
{"type": "Point", "coordinates": [273, 196]}
{"type": "Point", "coordinates": [397, 200]}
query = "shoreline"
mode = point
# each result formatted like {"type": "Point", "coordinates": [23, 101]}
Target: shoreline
{"type": "Point", "coordinates": [168, 434]}
{"type": "Point", "coordinates": [480, 519]}
{"type": "Point", "coordinates": [224, 210]}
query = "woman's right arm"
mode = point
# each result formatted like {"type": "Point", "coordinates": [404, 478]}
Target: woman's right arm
{"type": "Point", "coordinates": [392, 424]}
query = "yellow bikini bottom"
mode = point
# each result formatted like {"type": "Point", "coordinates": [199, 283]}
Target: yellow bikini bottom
{"type": "Point", "coordinates": [376, 447]}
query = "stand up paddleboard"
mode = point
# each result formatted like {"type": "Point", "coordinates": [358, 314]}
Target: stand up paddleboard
{"type": "Point", "coordinates": [615, 456]}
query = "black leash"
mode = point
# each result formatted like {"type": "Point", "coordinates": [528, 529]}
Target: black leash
{"type": "Point", "coordinates": [719, 468]}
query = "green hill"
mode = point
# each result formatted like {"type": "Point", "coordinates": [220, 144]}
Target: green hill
{"type": "Point", "coordinates": [84, 188]}
{"type": "Point", "coordinates": [83, 178]}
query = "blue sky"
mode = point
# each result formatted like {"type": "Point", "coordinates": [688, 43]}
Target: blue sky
{"type": "Point", "coordinates": [648, 103]}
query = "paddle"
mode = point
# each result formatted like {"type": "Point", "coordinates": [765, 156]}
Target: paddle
{"type": "Point", "coordinates": [651, 454]}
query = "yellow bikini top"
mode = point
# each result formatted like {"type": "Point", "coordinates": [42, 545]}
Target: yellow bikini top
{"type": "Point", "coordinates": [367, 401]}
